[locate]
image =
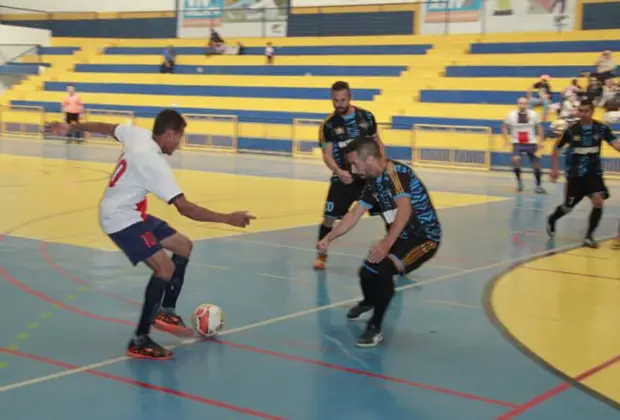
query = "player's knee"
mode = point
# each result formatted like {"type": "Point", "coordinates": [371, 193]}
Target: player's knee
{"type": "Point", "coordinates": [516, 160]}
{"type": "Point", "coordinates": [382, 273]}
{"type": "Point", "coordinates": [186, 246]}
{"type": "Point", "coordinates": [597, 201]}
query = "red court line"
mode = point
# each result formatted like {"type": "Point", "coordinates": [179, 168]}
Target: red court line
{"type": "Point", "coordinates": [446, 391]}
{"type": "Point", "coordinates": [48, 259]}
{"type": "Point", "coordinates": [144, 385]}
{"type": "Point", "coordinates": [539, 399]}
{"type": "Point", "coordinates": [58, 303]}
{"type": "Point", "coordinates": [367, 374]}
{"type": "Point", "coordinates": [571, 273]}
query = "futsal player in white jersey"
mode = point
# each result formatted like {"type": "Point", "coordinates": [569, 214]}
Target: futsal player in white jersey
{"type": "Point", "coordinates": [142, 169]}
{"type": "Point", "coordinates": [522, 128]}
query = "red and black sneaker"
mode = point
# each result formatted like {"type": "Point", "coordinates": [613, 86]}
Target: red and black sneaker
{"type": "Point", "coordinates": [144, 347]}
{"type": "Point", "coordinates": [173, 324]}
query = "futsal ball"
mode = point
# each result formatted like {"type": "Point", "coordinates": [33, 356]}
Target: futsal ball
{"type": "Point", "coordinates": [208, 320]}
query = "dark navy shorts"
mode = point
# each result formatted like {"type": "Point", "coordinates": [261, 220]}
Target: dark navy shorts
{"type": "Point", "coordinates": [141, 240]}
{"type": "Point", "coordinates": [525, 149]}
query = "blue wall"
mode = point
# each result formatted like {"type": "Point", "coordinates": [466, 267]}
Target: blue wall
{"type": "Point", "coordinates": [601, 16]}
{"type": "Point", "coordinates": [106, 28]}
{"type": "Point", "coordinates": [349, 24]}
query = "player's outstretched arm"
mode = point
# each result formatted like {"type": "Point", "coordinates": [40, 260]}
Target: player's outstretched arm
{"type": "Point", "coordinates": [62, 129]}
{"type": "Point", "coordinates": [202, 214]}
{"type": "Point", "coordinates": [348, 222]}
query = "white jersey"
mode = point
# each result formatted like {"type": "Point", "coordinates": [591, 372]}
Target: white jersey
{"type": "Point", "coordinates": [611, 117]}
{"type": "Point", "coordinates": [141, 169]}
{"type": "Point", "coordinates": [522, 132]}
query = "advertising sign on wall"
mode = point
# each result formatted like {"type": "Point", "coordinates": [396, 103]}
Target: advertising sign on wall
{"type": "Point", "coordinates": [479, 16]}
{"type": "Point", "coordinates": [233, 18]}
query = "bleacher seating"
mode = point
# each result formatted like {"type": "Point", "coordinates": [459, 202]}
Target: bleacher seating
{"type": "Point", "coordinates": [404, 80]}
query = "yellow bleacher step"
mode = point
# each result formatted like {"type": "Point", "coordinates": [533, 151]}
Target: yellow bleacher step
{"type": "Point", "coordinates": [240, 60]}
{"type": "Point", "coordinates": [555, 59]}
{"type": "Point", "coordinates": [226, 80]}
{"type": "Point", "coordinates": [491, 84]}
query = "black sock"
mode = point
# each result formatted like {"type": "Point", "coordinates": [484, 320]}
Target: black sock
{"type": "Point", "coordinates": [324, 231]}
{"type": "Point", "coordinates": [383, 297]}
{"type": "Point", "coordinates": [517, 172]}
{"type": "Point", "coordinates": [176, 283]}
{"type": "Point", "coordinates": [537, 176]}
{"type": "Point", "coordinates": [558, 213]}
{"type": "Point", "coordinates": [369, 284]}
{"type": "Point", "coordinates": [595, 218]}
{"type": "Point", "coordinates": [152, 301]}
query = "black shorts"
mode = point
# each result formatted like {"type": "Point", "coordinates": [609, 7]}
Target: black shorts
{"type": "Point", "coordinates": [141, 240]}
{"type": "Point", "coordinates": [341, 196]}
{"type": "Point", "coordinates": [413, 252]}
{"type": "Point", "coordinates": [584, 186]}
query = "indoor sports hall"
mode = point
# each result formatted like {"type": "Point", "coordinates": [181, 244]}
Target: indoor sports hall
{"type": "Point", "coordinates": [502, 324]}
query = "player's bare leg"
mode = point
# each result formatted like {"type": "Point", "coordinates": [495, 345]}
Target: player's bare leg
{"type": "Point", "coordinates": [167, 318]}
{"type": "Point", "coordinates": [324, 229]}
{"type": "Point", "coordinates": [141, 345]}
{"type": "Point", "coordinates": [595, 217]}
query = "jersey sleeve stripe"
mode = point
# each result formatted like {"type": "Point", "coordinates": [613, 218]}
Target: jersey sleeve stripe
{"type": "Point", "coordinates": [365, 204]}
{"type": "Point", "coordinates": [398, 188]}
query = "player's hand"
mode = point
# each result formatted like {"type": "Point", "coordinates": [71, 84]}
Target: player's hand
{"type": "Point", "coordinates": [554, 174]}
{"type": "Point", "coordinates": [240, 218]}
{"type": "Point", "coordinates": [345, 177]}
{"type": "Point", "coordinates": [322, 245]}
{"type": "Point", "coordinates": [378, 252]}
{"type": "Point", "coordinates": [57, 128]}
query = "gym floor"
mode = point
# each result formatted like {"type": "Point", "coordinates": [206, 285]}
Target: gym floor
{"type": "Point", "coordinates": [501, 324]}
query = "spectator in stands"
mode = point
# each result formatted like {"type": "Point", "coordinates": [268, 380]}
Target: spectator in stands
{"type": "Point", "coordinates": [612, 113]}
{"type": "Point", "coordinates": [169, 59]}
{"type": "Point", "coordinates": [216, 43]}
{"type": "Point", "coordinates": [543, 97]}
{"type": "Point", "coordinates": [269, 53]}
{"type": "Point", "coordinates": [72, 107]}
{"type": "Point", "coordinates": [240, 48]}
{"type": "Point", "coordinates": [594, 92]}
{"type": "Point", "coordinates": [573, 89]}
{"type": "Point", "coordinates": [610, 92]}
{"type": "Point", "coordinates": [605, 67]}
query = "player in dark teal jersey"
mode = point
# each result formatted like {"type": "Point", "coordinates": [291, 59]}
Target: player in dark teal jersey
{"type": "Point", "coordinates": [337, 131]}
{"type": "Point", "coordinates": [413, 237]}
{"type": "Point", "coordinates": [582, 142]}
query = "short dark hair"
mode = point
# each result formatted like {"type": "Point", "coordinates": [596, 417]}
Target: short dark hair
{"type": "Point", "coordinates": [586, 102]}
{"type": "Point", "coordinates": [364, 146]}
{"type": "Point", "coordinates": [340, 85]}
{"type": "Point", "coordinates": [168, 119]}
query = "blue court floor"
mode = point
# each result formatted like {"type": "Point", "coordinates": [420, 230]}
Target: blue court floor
{"type": "Point", "coordinates": [287, 351]}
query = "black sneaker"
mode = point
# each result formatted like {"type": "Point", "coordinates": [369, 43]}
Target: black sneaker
{"type": "Point", "coordinates": [144, 347]}
{"type": "Point", "coordinates": [550, 228]}
{"type": "Point", "coordinates": [371, 337]}
{"type": "Point", "coordinates": [540, 190]}
{"type": "Point", "coordinates": [357, 311]}
{"type": "Point", "coordinates": [590, 243]}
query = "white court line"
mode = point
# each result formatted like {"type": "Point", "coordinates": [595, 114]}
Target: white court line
{"type": "Point", "coordinates": [456, 275]}
{"type": "Point", "coordinates": [300, 248]}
